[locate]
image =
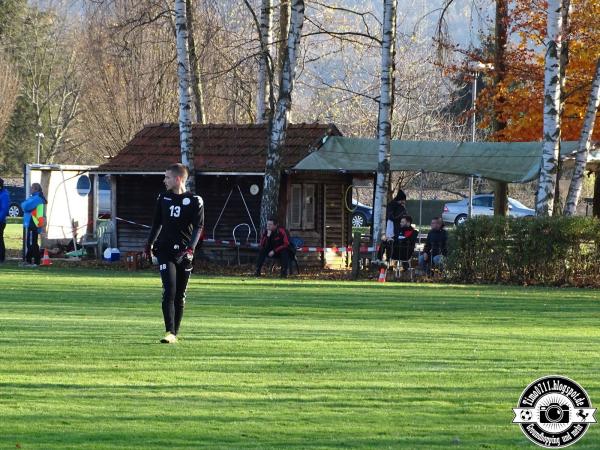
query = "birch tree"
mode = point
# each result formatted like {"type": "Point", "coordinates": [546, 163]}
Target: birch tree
{"type": "Point", "coordinates": [564, 62]}
{"type": "Point", "coordinates": [279, 121]}
{"type": "Point", "coordinates": [264, 64]}
{"type": "Point", "coordinates": [284, 29]}
{"type": "Point", "coordinates": [185, 95]}
{"type": "Point", "coordinates": [551, 135]}
{"type": "Point", "coordinates": [385, 117]}
{"type": "Point", "coordinates": [195, 73]}
{"type": "Point", "coordinates": [585, 144]}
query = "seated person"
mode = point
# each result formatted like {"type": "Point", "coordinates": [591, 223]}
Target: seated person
{"type": "Point", "coordinates": [274, 243]}
{"type": "Point", "coordinates": [405, 242]}
{"type": "Point", "coordinates": [399, 241]}
{"type": "Point", "coordinates": [435, 246]}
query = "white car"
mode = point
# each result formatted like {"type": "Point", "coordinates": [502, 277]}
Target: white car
{"type": "Point", "coordinates": [483, 205]}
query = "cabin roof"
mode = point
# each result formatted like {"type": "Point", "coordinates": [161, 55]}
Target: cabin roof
{"type": "Point", "coordinates": [217, 147]}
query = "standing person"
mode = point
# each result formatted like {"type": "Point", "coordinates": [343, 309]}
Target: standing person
{"type": "Point", "coordinates": [395, 211]}
{"type": "Point", "coordinates": [4, 201]}
{"type": "Point", "coordinates": [274, 243]}
{"type": "Point", "coordinates": [176, 229]}
{"type": "Point", "coordinates": [34, 220]}
{"type": "Point", "coordinates": [435, 246]}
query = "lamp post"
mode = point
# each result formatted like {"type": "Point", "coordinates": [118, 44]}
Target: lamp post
{"type": "Point", "coordinates": [39, 136]}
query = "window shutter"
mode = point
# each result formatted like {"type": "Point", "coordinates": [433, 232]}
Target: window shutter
{"type": "Point", "coordinates": [309, 207]}
{"type": "Point", "coordinates": [295, 206]}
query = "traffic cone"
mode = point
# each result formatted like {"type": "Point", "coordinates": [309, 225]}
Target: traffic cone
{"type": "Point", "coordinates": [382, 275]}
{"type": "Point", "coordinates": [46, 259]}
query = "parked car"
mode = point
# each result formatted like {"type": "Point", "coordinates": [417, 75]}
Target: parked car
{"type": "Point", "coordinates": [483, 205]}
{"type": "Point", "coordinates": [362, 215]}
{"type": "Point", "coordinates": [16, 196]}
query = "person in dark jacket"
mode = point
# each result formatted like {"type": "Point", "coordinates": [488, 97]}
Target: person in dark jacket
{"type": "Point", "coordinates": [274, 243]}
{"type": "Point", "coordinates": [176, 231]}
{"type": "Point", "coordinates": [4, 202]}
{"type": "Point", "coordinates": [395, 211]}
{"type": "Point", "coordinates": [435, 246]}
{"type": "Point", "coordinates": [405, 241]}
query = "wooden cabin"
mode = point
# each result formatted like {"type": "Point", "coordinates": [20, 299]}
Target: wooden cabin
{"type": "Point", "coordinates": [229, 161]}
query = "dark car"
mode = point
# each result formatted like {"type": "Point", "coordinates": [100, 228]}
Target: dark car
{"type": "Point", "coordinates": [362, 215]}
{"type": "Point", "coordinates": [16, 196]}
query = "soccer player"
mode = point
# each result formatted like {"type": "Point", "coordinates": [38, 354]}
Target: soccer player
{"type": "Point", "coordinates": [176, 229]}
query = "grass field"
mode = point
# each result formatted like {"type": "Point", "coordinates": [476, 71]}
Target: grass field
{"type": "Point", "coordinates": [13, 238]}
{"type": "Point", "coordinates": [281, 364]}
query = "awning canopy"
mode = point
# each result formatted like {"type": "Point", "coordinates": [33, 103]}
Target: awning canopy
{"type": "Point", "coordinates": [512, 162]}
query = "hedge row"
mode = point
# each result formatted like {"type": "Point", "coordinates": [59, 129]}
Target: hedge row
{"type": "Point", "coordinates": [549, 251]}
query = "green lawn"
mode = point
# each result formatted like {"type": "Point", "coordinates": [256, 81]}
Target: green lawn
{"type": "Point", "coordinates": [13, 238]}
{"type": "Point", "coordinates": [272, 364]}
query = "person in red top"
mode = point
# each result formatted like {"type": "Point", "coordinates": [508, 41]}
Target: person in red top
{"type": "Point", "coordinates": [405, 241]}
{"type": "Point", "coordinates": [274, 243]}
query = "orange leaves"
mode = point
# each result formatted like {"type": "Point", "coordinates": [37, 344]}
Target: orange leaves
{"type": "Point", "coordinates": [517, 100]}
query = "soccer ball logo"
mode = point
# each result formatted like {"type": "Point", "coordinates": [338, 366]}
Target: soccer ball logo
{"type": "Point", "coordinates": [554, 412]}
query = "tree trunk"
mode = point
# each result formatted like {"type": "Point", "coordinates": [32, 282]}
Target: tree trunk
{"type": "Point", "coordinates": [195, 76]}
{"type": "Point", "coordinates": [585, 144]}
{"type": "Point", "coordinates": [564, 62]}
{"type": "Point", "coordinates": [279, 122]}
{"type": "Point", "coordinates": [501, 38]}
{"type": "Point", "coordinates": [384, 128]}
{"type": "Point", "coordinates": [185, 100]}
{"type": "Point", "coordinates": [550, 148]}
{"type": "Point", "coordinates": [264, 64]}
{"type": "Point", "coordinates": [284, 27]}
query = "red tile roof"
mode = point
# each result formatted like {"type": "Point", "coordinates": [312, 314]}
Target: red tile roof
{"type": "Point", "coordinates": [217, 148]}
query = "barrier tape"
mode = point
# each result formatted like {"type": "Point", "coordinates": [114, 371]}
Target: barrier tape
{"type": "Point", "coordinates": [304, 249]}
{"type": "Point", "coordinates": [133, 223]}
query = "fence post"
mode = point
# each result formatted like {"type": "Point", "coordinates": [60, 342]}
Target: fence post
{"type": "Point", "coordinates": [355, 255]}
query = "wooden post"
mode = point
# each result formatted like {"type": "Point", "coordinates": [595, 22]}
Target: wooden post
{"type": "Point", "coordinates": [500, 198]}
{"type": "Point", "coordinates": [596, 204]}
{"type": "Point", "coordinates": [355, 255]}
{"type": "Point", "coordinates": [324, 254]}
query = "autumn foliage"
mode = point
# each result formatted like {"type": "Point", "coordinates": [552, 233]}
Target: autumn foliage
{"type": "Point", "coordinates": [517, 99]}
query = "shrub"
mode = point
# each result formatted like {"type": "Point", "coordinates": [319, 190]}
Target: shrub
{"type": "Point", "coordinates": [549, 251]}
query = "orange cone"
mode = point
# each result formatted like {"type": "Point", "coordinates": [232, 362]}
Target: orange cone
{"type": "Point", "coordinates": [382, 275]}
{"type": "Point", "coordinates": [46, 259]}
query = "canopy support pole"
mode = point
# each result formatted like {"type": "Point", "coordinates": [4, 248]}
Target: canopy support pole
{"type": "Point", "coordinates": [470, 210]}
{"type": "Point", "coordinates": [421, 201]}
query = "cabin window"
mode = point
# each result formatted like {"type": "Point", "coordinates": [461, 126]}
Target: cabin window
{"type": "Point", "coordinates": [302, 207]}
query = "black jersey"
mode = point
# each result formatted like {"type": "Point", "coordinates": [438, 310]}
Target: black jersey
{"type": "Point", "coordinates": [177, 218]}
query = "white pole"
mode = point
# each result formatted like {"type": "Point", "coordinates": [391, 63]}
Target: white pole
{"type": "Point", "coordinates": [64, 183]}
{"type": "Point", "coordinates": [421, 202]}
{"type": "Point", "coordinates": [473, 135]}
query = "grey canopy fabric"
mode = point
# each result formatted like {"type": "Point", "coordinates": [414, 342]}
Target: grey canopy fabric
{"type": "Point", "coordinates": [512, 162]}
